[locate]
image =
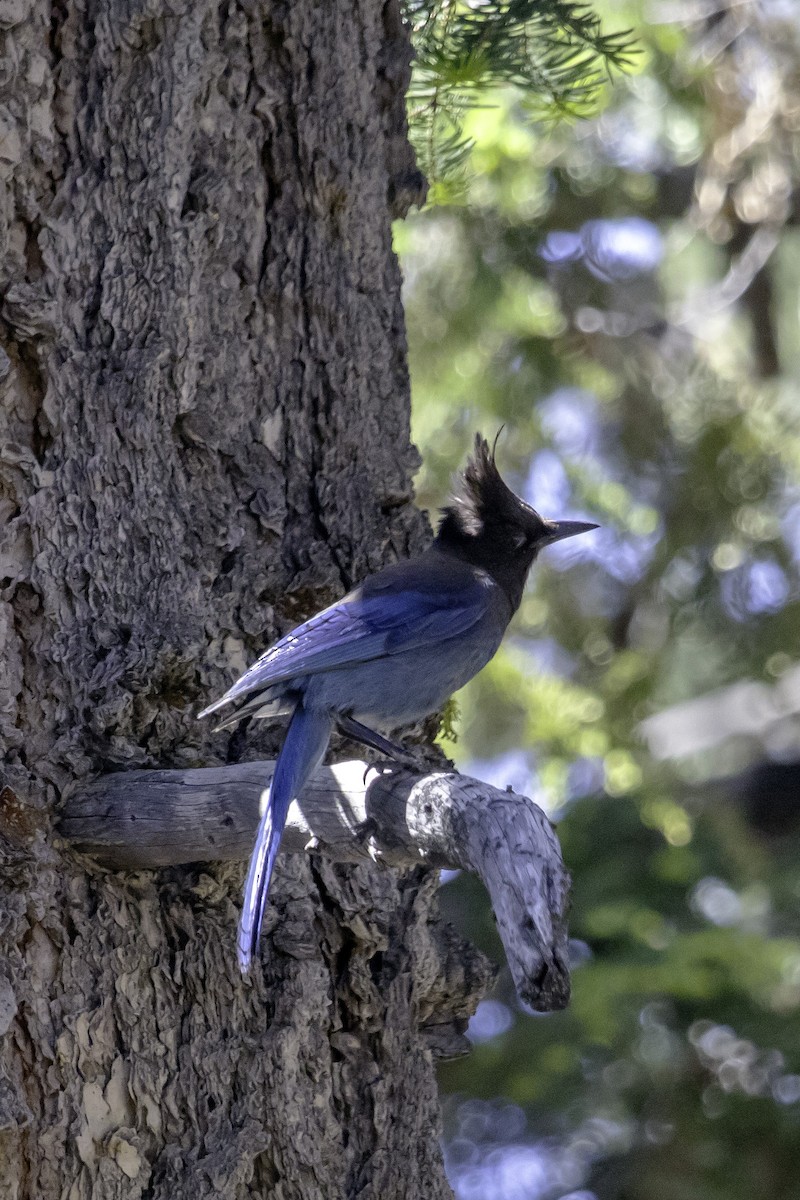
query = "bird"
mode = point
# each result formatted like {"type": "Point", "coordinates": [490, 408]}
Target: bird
{"type": "Point", "coordinates": [391, 652]}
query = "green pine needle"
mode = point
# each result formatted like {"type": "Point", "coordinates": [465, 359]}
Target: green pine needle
{"type": "Point", "coordinates": [554, 51]}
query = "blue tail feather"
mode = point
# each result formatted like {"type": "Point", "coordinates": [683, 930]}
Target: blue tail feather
{"type": "Point", "coordinates": [303, 749]}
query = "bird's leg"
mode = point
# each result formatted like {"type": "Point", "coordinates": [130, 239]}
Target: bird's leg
{"type": "Point", "coordinates": [368, 737]}
{"type": "Point", "coordinates": [238, 742]}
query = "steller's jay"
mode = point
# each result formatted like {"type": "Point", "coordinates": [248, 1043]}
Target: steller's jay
{"type": "Point", "coordinates": [392, 651]}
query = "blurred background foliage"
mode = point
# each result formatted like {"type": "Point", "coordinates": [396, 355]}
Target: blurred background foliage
{"type": "Point", "coordinates": [622, 292]}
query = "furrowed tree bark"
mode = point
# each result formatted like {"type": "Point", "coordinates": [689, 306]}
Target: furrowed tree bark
{"type": "Point", "coordinates": [204, 432]}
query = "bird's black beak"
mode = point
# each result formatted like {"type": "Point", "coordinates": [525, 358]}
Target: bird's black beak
{"type": "Point", "coordinates": [565, 529]}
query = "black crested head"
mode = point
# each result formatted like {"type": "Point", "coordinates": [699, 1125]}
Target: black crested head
{"type": "Point", "coordinates": [481, 496]}
{"type": "Point", "coordinates": [489, 526]}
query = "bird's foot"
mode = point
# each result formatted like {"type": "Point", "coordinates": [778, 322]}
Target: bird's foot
{"type": "Point", "coordinates": [378, 768]}
{"type": "Point", "coordinates": [409, 762]}
{"type": "Point", "coordinates": [365, 833]}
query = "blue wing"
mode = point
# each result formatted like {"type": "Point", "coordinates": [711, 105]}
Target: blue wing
{"type": "Point", "coordinates": [405, 607]}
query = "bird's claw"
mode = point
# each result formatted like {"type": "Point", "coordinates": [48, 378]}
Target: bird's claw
{"type": "Point", "coordinates": [375, 852]}
{"type": "Point", "coordinates": [366, 835]}
{"type": "Point", "coordinates": [408, 762]}
{"type": "Point", "coordinates": [380, 768]}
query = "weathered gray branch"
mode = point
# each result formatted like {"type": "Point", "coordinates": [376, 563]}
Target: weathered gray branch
{"type": "Point", "coordinates": [151, 819]}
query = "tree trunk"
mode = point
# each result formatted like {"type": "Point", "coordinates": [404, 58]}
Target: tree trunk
{"type": "Point", "coordinates": [204, 437]}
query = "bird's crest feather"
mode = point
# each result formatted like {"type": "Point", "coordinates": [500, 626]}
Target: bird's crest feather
{"type": "Point", "coordinates": [480, 494]}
